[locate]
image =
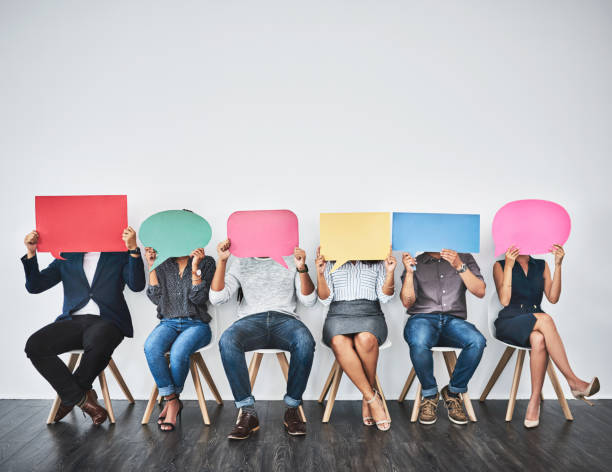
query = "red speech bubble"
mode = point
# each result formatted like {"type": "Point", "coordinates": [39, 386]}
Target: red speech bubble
{"type": "Point", "coordinates": [533, 226]}
{"type": "Point", "coordinates": [83, 223]}
{"type": "Point", "coordinates": [263, 233]}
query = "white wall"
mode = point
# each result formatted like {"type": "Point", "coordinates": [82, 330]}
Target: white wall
{"type": "Point", "coordinates": [317, 106]}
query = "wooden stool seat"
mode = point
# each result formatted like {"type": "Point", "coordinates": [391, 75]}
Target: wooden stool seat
{"type": "Point", "coordinates": [75, 358]}
{"type": "Point", "coordinates": [333, 382]}
{"type": "Point", "coordinates": [494, 308]}
{"type": "Point", "coordinates": [450, 358]}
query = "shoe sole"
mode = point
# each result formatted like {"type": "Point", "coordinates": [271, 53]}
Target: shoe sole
{"type": "Point", "coordinates": [236, 438]}
{"type": "Point", "coordinates": [427, 422]}
{"type": "Point", "coordinates": [293, 434]}
{"type": "Point", "coordinates": [457, 421]}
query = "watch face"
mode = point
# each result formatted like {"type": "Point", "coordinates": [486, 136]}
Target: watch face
{"type": "Point", "coordinates": [198, 272]}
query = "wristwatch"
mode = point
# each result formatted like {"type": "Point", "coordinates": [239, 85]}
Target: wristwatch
{"type": "Point", "coordinates": [304, 270]}
{"type": "Point", "coordinates": [134, 251]}
{"type": "Point", "coordinates": [462, 269]}
{"type": "Point", "coordinates": [197, 273]}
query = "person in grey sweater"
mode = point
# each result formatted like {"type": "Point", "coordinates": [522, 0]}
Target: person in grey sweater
{"type": "Point", "coordinates": [268, 294]}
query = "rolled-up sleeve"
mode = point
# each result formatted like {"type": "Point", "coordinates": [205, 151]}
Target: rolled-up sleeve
{"type": "Point", "coordinates": [232, 284]}
{"type": "Point", "coordinates": [154, 293]}
{"type": "Point", "coordinates": [199, 294]}
{"type": "Point", "coordinates": [381, 274]}
{"type": "Point", "coordinates": [471, 263]}
{"type": "Point", "coordinates": [306, 300]}
{"type": "Point", "coordinates": [330, 284]}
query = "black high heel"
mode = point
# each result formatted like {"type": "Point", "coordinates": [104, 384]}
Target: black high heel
{"type": "Point", "coordinates": [179, 414]}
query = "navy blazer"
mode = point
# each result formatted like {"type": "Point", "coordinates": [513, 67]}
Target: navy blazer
{"type": "Point", "coordinates": [114, 271]}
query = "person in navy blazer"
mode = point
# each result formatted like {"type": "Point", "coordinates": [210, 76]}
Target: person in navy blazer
{"type": "Point", "coordinates": [95, 317]}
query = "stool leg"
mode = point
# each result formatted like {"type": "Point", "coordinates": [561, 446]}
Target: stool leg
{"type": "Point", "coordinates": [501, 365]}
{"type": "Point", "coordinates": [382, 396]}
{"type": "Point", "coordinates": [107, 401]}
{"type": "Point", "coordinates": [515, 384]}
{"type": "Point", "coordinates": [552, 375]}
{"type": "Point", "coordinates": [332, 394]}
{"type": "Point", "coordinates": [150, 405]}
{"type": "Point", "coordinates": [328, 382]}
{"type": "Point", "coordinates": [209, 380]}
{"type": "Point", "coordinates": [72, 361]}
{"type": "Point", "coordinates": [198, 389]}
{"type": "Point", "coordinates": [407, 385]}
{"type": "Point", "coordinates": [254, 367]}
{"type": "Point", "coordinates": [417, 403]}
{"type": "Point", "coordinates": [284, 365]}
{"type": "Point", "coordinates": [119, 378]}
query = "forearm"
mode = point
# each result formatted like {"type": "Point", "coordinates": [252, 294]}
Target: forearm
{"type": "Point", "coordinates": [218, 281]}
{"type": "Point", "coordinates": [322, 288]}
{"type": "Point", "coordinates": [153, 278]}
{"type": "Point", "coordinates": [388, 287]}
{"type": "Point", "coordinates": [475, 285]}
{"type": "Point", "coordinates": [407, 294]}
{"type": "Point", "coordinates": [555, 290]}
{"type": "Point", "coordinates": [307, 287]}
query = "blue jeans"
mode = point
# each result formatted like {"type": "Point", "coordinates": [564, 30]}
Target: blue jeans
{"type": "Point", "coordinates": [427, 330]}
{"type": "Point", "coordinates": [181, 337]}
{"type": "Point", "coordinates": [268, 330]}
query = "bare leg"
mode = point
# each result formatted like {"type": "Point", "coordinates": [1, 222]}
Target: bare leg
{"type": "Point", "coordinates": [346, 355]}
{"type": "Point", "coordinates": [366, 346]}
{"type": "Point", "coordinates": [538, 364]}
{"type": "Point", "coordinates": [554, 346]}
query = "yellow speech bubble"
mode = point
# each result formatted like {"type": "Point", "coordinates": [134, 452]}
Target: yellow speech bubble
{"type": "Point", "coordinates": [355, 236]}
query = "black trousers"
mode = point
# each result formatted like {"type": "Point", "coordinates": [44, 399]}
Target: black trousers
{"type": "Point", "coordinates": [96, 336]}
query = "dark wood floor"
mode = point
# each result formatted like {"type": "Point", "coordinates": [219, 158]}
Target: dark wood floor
{"type": "Point", "coordinates": [26, 443]}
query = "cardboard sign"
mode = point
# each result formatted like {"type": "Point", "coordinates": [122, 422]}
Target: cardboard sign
{"type": "Point", "coordinates": [83, 223]}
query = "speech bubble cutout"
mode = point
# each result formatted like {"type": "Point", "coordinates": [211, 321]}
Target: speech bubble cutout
{"type": "Point", "coordinates": [80, 223]}
{"type": "Point", "coordinates": [415, 232]}
{"type": "Point", "coordinates": [354, 236]}
{"type": "Point", "coordinates": [174, 233]}
{"type": "Point", "coordinates": [531, 225]}
{"type": "Point", "coordinates": [263, 233]}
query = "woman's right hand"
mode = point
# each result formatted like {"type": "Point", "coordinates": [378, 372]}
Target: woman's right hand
{"type": "Point", "coordinates": [150, 255]}
{"type": "Point", "coordinates": [31, 242]}
{"type": "Point", "coordinates": [223, 250]}
{"type": "Point", "coordinates": [320, 262]}
{"type": "Point", "coordinates": [408, 261]}
{"type": "Point", "coordinates": [511, 254]}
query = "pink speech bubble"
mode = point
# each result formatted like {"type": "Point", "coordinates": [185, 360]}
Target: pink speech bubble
{"type": "Point", "coordinates": [263, 233]}
{"type": "Point", "coordinates": [531, 225]}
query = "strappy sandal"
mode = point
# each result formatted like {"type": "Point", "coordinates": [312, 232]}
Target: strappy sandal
{"type": "Point", "coordinates": [172, 426]}
{"type": "Point", "coordinates": [367, 420]}
{"type": "Point", "coordinates": [379, 424]}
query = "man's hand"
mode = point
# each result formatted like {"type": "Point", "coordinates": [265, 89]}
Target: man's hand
{"type": "Point", "coordinates": [452, 257]}
{"type": "Point", "coordinates": [31, 242]}
{"type": "Point", "coordinates": [129, 238]}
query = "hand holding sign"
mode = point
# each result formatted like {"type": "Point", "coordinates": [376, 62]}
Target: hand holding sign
{"type": "Point", "coordinates": [84, 223]}
{"type": "Point", "coordinates": [355, 236]}
{"type": "Point", "coordinates": [263, 233]}
{"type": "Point", "coordinates": [533, 226]}
{"type": "Point", "coordinates": [174, 233]}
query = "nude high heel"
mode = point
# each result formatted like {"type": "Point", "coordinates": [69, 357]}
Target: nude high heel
{"type": "Point", "coordinates": [529, 424]}
{"type": "Point", "coordinates": [592, 389]}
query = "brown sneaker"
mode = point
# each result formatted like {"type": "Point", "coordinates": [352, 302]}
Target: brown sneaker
{"type": "Point", "coordinates": [62, 411]}
{"type": "Point", "coordinates": [247, 423]}
{"type": "Point", "coordinates": [454, 407]}
{"type": "Point", "coordinates": [429, 409]}
{"type": "Point", "coordinates": [293, 422]}
{"type": "Point", "coordinates": [93, 408]}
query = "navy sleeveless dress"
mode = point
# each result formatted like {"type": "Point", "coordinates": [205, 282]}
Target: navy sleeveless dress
{"type": "Point", "coordinates": [515, 322]}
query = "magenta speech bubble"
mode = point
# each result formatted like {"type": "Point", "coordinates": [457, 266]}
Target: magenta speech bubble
{"type": "Point", "coordinates": [263, 233]}
{"type": "Point", "coordinates": [533, 226]}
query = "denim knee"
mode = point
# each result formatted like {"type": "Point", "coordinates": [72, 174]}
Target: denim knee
{"type": "Point", "coordinates": [227, 341]}
{"type": "Point", "coordinates": [477, 342]}
{"type": "Point", "coordinates": [151, 349]}
{"type": "Point", "coordinates": [303, 344]}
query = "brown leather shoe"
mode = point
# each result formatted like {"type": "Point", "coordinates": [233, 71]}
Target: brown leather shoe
{"type": "Point", "coordinates": [455, 410]}
{"type": "Point", "coordinates": [93, 408]}
{"type": "Point", "coordinates": [293, 422]}
{"type": "Point", "coordinates": [62, 411]}
{"type": "Point", "coordinates": [247, 424]}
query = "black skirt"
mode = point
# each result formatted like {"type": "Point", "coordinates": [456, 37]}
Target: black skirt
{"type": "Point", "coordinates": [355, 316]}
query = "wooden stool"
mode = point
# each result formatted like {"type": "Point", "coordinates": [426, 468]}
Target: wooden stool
{"type": "Point", "coordinates": [494, 308]}
{"type": "Point", "coordinates": [75, 358]}
{"type": "Point", "coordinates": [333, 381]}
{"type": "Point", "coordinates": [196, 361]}
{"type": "Point", "coordinates": [450, 358]}
{"type": "Point", "coordinates": [284, 365]}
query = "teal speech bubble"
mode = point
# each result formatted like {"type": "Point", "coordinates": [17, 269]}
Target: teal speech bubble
{"type": "Point", "coordinates": [174, 233]}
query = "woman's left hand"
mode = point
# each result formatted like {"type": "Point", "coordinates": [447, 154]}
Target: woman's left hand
{"type": "Point", "coordinates": [390, 263]}
{"type": "Point", "coordinates": [559, 253]}
{"type": "Point", "coordinates": [198, 256]}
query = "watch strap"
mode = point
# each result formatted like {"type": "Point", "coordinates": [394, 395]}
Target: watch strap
{"type": "Point", "coordinates": [304, 270]}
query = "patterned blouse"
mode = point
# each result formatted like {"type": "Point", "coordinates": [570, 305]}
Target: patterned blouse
{"type": "Point", "coordinates": [358, 281]}
{"type": "Point", "coordinates": [176, 296]}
